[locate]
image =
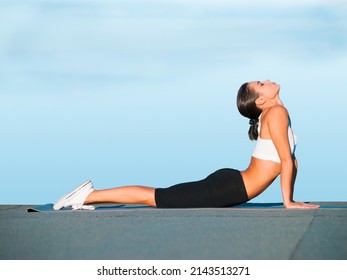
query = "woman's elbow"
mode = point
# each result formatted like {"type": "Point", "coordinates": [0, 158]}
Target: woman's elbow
{"type": "Point", "coordinates": [296, 164]}
{"type": "Point", "coordinates": [287, 162]}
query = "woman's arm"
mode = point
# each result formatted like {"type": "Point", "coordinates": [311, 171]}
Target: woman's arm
{"type": "Point", "coordinates": [295, 172]}
{"type": "Point", "coordinates": [278, 129]}
{"type": "Point", "coordinates": [294, 204]}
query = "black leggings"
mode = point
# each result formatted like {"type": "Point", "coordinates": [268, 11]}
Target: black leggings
{"type": "Point", "coordinates": [222, 188]}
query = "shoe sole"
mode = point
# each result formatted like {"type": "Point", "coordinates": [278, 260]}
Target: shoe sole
{"type": "Point", "coordinates": [60, 203]}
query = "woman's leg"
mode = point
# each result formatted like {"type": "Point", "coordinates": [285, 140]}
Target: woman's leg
{"type": "Point", "coordinates": [126, 195]}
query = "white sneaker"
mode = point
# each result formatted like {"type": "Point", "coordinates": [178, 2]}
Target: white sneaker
{"type": "Point", "coordinates": [76, 198]}
{"type": "Point", "coordinates": [83, 207]}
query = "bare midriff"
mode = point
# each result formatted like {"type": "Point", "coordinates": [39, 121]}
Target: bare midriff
{"type": "Point", "coordinates": [259, 175]}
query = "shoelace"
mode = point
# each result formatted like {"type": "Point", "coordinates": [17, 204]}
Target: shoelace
{"type": "Point", "coordinates": [82, 207]}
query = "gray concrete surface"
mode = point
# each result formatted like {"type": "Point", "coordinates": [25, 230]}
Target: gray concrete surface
{"type": "Point", "coordinates": [130, 232]}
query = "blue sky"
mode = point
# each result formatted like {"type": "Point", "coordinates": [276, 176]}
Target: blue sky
{"type": "Point", "coordinates": [143, 92]}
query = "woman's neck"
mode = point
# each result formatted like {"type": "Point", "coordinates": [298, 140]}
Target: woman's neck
{"type": "Point", "coordinates": [272, 102]}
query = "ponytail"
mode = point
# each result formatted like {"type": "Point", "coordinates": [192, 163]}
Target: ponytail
{"type": "Point", "coordinates": [246, 105]}
{"type": "Point", "coordinates": [253, 129]}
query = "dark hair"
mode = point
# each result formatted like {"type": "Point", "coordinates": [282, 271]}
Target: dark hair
{"type": "Point", "coordinates": [246, 98]}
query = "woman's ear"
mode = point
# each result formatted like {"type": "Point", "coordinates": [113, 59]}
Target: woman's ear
{"type": "Point", "coordinates": [260, 101]}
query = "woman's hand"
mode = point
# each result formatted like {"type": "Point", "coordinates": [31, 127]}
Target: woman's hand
{"type": "Point", "coordinates": [300, 205]}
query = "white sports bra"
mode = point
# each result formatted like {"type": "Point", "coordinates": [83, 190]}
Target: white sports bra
{"type": "Point", "coordinates": [266, 150]}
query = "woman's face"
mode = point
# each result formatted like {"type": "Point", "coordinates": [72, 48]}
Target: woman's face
{"type": "Point", "coordinates": [265, 89]}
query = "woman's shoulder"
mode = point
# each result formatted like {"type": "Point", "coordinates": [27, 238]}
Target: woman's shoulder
{"type": "Point", "coordinates": [277, 112]}
{"type": "Point", "coordinates": [275, 117]}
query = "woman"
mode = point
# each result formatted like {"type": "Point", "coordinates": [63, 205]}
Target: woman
{"type": "Point", "coordinates": [273, 155]}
